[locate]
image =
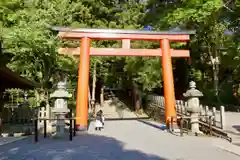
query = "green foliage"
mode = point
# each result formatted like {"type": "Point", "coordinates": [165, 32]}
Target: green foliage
{"type": "Point", "coordinates": [210, 19]}
{"type": "Point", "coordinates": [25, 28]}
{"type": "Point", "coordinates": [145, 71]}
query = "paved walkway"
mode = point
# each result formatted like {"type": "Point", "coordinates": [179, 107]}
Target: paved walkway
{"type": "Point", "coordinates": [120, 140]}
{"type": "Point", "coordinates": [115, 108]}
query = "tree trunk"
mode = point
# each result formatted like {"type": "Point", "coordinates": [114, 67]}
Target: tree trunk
{"type": "Point", "coordinates": [215, 64]}
{"type": "Point", "coordinates": [89, 99]}
{"type": "Point", "coordinates": [136, 97]}
{"type": "Point", "coordinates": [37, 97]}
{"type": "Point", "coordinates": [216, 59]}
{"type": "Point", "coordinates": [94, 82]}
{"type": "Point", "coordinates": [102, 96]}
{"type": "Point", "coordinates": [236, 88]}
{"type": "Point", "coordinates": [94, 87]}
{"type": "Point", "coordinates": [215, 78]}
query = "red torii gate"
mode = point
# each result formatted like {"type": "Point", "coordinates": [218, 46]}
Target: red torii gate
{"type": "Point", "coordinates": [86, 35]}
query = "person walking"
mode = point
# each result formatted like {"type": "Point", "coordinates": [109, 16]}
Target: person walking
{"type": "Point", "coordinates": [99, 123]}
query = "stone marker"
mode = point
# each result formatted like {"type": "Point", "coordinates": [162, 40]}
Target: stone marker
{"type": "Point", "coordinates": [193, 106]}
{"type": "Point", "coordinates": [60, 95]}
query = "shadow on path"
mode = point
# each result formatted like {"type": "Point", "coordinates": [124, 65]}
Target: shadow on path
{"type": "Point", "coordinates": [158, 126]}
{"type": "Point", "coordinates": [237, 127]}
{"type": "Point", "coordinates": [85, 147]}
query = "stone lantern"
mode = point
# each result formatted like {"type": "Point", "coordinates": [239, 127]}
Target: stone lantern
{"type": "Point", "coordinates": [193, 106]}
{"type": "Point", "coordinates": [60, 95]}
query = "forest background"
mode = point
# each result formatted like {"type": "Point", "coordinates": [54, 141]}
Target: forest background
{"type": "Point", "coordinates": [30, 47]}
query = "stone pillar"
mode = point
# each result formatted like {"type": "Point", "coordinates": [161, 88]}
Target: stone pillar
{"type": "Point", "coordinates": [193, 106]}
{"type": "Point", "coordinates": [222, 117]}
{"type": "Point", "coordinates": [60, 95]}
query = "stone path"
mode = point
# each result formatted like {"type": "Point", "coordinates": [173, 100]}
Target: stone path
{"type": "Point", "coordinates": [116, 109]}
{"type": "Point", "coordinates": [120, 140]}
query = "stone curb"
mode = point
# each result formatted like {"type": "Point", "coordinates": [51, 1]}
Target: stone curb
{"type": "Point", "coordinates": [16, 134]}
{"type": "Point", "coordinates": [226, 146]}
{"type": "Point", "coordinates": [233, 150]}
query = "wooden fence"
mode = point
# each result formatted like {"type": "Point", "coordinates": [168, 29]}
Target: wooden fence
{"type": "Point", "coordinates": [20, 114]}
{"type": "Point", "coordinates": [218, 119]}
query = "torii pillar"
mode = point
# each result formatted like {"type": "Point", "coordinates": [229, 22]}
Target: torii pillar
{"type": "Point", "coordinates": [82, 87]}
{"type": "Point", "coordinates": [86, 35]}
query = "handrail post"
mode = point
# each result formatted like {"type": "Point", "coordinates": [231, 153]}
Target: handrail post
{"type": "Point", "coordinates": [70, 129]}
{"type": "Point", "coordinates": [36, 130]}
{"type": "Point", "coordinates": [45, 128]}
{"type": "Point", "coordinates": [172, 124]}
{"type": "Point", "coordinates": [222, 117]}
{"type": "Point", "coordinates": [210, 125]}
{"type": "Point", "coordinates": [181, 126]}
{"type": "Point", "coordinates": [74, 127]}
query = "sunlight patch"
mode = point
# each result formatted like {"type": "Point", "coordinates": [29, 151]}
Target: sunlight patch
{"type": "Point", "coordinates": [13, 150]}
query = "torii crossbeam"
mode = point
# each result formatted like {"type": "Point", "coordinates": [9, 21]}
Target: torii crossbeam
{"type": "Point", "coordinates": [85, 50]}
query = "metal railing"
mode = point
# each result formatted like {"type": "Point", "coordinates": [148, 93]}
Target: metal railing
{"type": "Point", "coordinates": [72, 127]}
{"type": "Point", "coordinates": [206, 128]}
{"type": "Point", "coordinates": [180, 120]}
